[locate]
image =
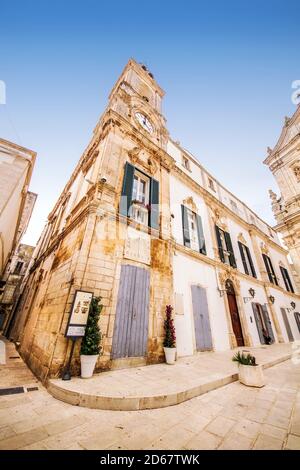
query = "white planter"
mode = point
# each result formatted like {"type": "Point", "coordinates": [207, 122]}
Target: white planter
{"type": "Point", "coordinates": [170, 354]}
{"type": "Point", "coordinates": [252, 376]}
{"type": "Point", "coordinates": [88, 365]}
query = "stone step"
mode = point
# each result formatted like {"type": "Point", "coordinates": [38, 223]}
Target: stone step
{"type": "Point", "coordinates": [160, 385]}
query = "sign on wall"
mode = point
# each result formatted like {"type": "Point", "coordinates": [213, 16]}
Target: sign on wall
{"type": "Point", "coordinates": [79, 314]}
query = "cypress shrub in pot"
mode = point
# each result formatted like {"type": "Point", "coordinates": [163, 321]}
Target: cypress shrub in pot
{"type": "Point", "coordinates": [90, 345]}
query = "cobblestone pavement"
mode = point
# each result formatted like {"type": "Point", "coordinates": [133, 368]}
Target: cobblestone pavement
{"type": "Point", "coordinates": [231, 417]}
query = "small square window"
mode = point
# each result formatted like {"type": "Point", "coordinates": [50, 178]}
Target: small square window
{"type": "Point", "coordinates": [186, 163]}
{"type": "Point", "coordinates": [211, 184]}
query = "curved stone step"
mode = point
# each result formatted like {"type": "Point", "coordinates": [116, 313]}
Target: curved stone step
{"type": "Point", "coordinates": [160, 385]}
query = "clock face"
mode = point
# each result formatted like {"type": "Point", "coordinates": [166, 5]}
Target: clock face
{"type": "Point", "coordinates": [144, 122]}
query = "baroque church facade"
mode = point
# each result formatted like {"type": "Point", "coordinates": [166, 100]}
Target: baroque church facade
{"type": "Point", "coordinates": [284, 163]}
{"type": "Point", "coordinates": [142, 224]}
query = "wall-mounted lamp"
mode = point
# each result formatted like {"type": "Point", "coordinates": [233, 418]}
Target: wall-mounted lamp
{"type": "Point", "coordinates": [222, 292]}
{"type": "Point", "coordinates": [272, 299]}
{"type": "Point", "coordinates": [252, 295]}
{"type": "Point", "coordinates": [293, 305]}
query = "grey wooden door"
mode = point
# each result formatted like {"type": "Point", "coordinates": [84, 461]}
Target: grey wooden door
{"type": "Point", "coordinates": [268, 322]}
{"type": "Point", "coordinates": [132, 313]}
{"type": "Point", "coordinates": [258, 323]}
{"type": "Point", "coordinates": [287, 324]}
{"type": "Point", "coordinates": [201, 319]}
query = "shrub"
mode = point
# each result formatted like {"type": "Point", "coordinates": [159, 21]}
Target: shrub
{"type": "Point", "coordinates": [90, 344]}
{"type": "Point", "coordinates": [170, 337]}
{"type": "Point", "coordinates": [244, 359]}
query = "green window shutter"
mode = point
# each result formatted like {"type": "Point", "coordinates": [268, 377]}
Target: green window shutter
{"type": "Point", "coordinates": [154, 204]}
{"type": "Point", "coordinates": [230, 249]}
{"type": "Point", "coordinates": [220, 247]}
{"type": "Point", "coordinates": [270, 269]}
{"type": "Point", "coordinates": [201, 239]}
{"type": "Point", "coordinates": [250, 262]}
{"type": "Point", "coordinates": [265, 258]}
{"type": "Point", "coordinates": [241, 247]}
{"type": "Point", "coordinates": [185, 227]}
{"type": "Point", "coordinates": [126, 196]}
{"type": "Point", "coordinates": [287, 279]}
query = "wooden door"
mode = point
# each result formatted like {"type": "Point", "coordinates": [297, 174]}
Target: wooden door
{"type": "Point", "coordinates": [201, 319]}
{"type": "Point", "coordinates": [235, 318]}
{"type": "Point", "coordinates": [132, 314]}
{"type": "Point", "coordinates": [287, 324]}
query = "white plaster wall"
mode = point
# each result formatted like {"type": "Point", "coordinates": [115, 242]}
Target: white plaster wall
{"type": "Point", "coordinates": [188, 272]}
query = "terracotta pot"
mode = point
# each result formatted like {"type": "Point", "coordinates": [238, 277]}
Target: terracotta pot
{"type": "Point", "coordinates": [88, 365]}
{"type": "Point", "coordinates": [252, 376]}
{"type": "Point", "coordinates": [170, 354]}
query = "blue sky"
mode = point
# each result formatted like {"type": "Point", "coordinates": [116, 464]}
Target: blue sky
{"type": "Point", "coordinates": [226, 66]}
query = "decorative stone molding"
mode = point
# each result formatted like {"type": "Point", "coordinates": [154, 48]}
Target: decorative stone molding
{"type": "Point", "coordinates": [241, 238]}
{"type": "Point", "coordinates": [190, 203]}
{"type": "Point", "coordinates": [264, 248]}
{"type": "Point", "coordinates": [296, 170]}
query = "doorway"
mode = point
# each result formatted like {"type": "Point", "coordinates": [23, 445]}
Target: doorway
{"type": "Point", "coordinates": [130, 336]}
{"type": "Point", "coordinates": [234, 313]}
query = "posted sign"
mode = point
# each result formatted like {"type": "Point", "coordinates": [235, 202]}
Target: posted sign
{"type": "Point", "coordinates": [79, 314]}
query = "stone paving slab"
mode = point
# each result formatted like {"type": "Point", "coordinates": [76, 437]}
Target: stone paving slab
{"type": "Point", "coordinates": [162, 385]}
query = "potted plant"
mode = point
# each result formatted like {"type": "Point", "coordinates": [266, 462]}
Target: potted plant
{"type": "Point", "coordinates": [90, 345]}
{"type": "Point", "coordinates": [250, 373]}
{"type": "Point", "coordinates": [170, 337]}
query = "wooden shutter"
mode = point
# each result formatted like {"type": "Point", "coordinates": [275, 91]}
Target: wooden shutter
{"type": "Point", "coordinates": [241, 247]}
{"type": "Point", "coordinates": [201, 319]}
{"type": "Point", "coordinates": [220, 247]}
{"type": "Point", "coordinates": [287, 324]}
{"type": "Point", "coordinates": [286, 279]}
{"type": "Point", "coordinates": [258, 323]}
{"type": "Point", "coordinates": [270, 270]}
{"type": "Point", "coordinates": [268, 322]}
{"type": "Point", "coordinates": [126, 196]}
{"type": "Point", "coordinates": [185, 227]}
{"type": "Point", "coordinates": [297, 318]}
{"type": "Point", "coordinates": [251, 262]}
{"type": "Point", "coordinates": [230, 249]}
{"type": "Point", "coordinates": [154, 204]}
{"type": "Point", "coordinates": [201, 239]}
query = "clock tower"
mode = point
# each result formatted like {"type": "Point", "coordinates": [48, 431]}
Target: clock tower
{"type": "Point", "coordinates": [138, 98]}
{"type": "Point", "coordinates": [284, 162]}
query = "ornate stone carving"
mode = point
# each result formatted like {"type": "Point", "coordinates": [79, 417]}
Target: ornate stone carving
{"type": "Point", "coordinates": [134, 154]}
{"type": "Point", "coordinates": [241, 238]}
{"type": "Point", "coordinates": [190, 203]}
{"type": "Point", "coordinates": [264, 248]}
{"type": "Point", "coordinates": [296, 170]}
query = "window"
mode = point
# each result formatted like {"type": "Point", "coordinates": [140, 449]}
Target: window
{"type": "Point", "coordinates": [297, 318]}
{"type": "Point", "coordinates": [247, 260]}
{"type": "Point", "coordinates": [270, 270]}
{"type": "Point", "coordinates": [234, 206]}
{"type": "Point", "coordinates": [287, 280]}
{"type": "Point", "coordinates": [193, 235]}
{"type": "Point", "coordinates": [211, 184]}
{"type": "Point", "coordinates": [18, 267]}
{"type": "Point", "coordinates": [226, 252]}
{"type": "Point", "coordinates": [186, 163]}
{"type": "Point", "coordinates": [140, 197]}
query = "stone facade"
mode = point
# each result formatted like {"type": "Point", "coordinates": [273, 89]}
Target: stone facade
{"type": "Point", "coordinates": [136, 199]}
{"type": "Point", "coordinates": [284, 162]}
{"type": "Point", "coordinates": [16, 202]}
